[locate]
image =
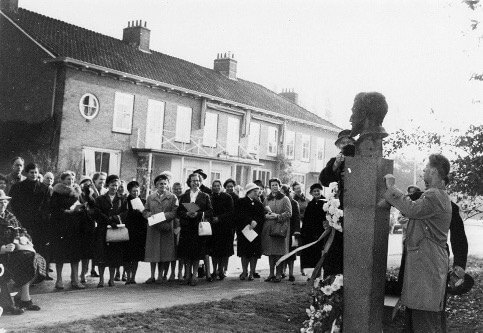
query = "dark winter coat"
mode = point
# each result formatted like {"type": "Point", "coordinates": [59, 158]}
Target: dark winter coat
{"type": "Point", "coordinates": [137, 226]}
{"type": "Point", "coordinates": [312, 229]}
{"type": "Point", "coordinates": [221, 243]}
{"type": "Point", "coordinates": [247, 211]}
{"type": "Point", "coordinates": [30, 205]}
{"type": "Point", "coordinates": [66, 226]}
{"type": "Point", "coordinates": [108, 213]}
{"type": "Point", "coordinates": [191, 246]}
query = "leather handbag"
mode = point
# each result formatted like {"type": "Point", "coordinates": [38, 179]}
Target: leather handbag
{"type": "Point", "coordinates": [279, 230]}
{"type": "Point", "coordinates": [120, 234]}
{"type": "Point", "coordinates": [204, 227]}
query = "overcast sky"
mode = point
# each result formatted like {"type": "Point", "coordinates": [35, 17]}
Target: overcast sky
{"type": "Point", "coordinates": [417, 53]}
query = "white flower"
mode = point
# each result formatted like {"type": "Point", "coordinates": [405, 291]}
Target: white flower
{"type": "Point", "coordinates": [336, 202]}
{"type": "Point", "coordinates": [327, 308]}
{"type": "Point", "coordinates": [328, 218]}
{"type": "Point", "coordinates": [335, 286]}
{"type": "Point", "coordinates": [327, 290]}
{"type": "Point", "coordinates": [332, 209]}
{"type": "Point", "coordinates": [339, 279]}
{"type": "Point", "coordinates": [325, 207]}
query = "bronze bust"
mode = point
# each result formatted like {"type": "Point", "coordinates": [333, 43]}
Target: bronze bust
{"type": "Point", "coordinates": [368, 113]}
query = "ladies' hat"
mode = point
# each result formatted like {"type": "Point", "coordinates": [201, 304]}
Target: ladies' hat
{"type": "Point", "coordinates": [228, 181]}
{"type": "Point", "coordinates": [343, 134]}
{"type": "Point", "coordinates": [201, 173]}
{"type": "Point", "coordinates": [316, 185]}
{"type": "Point", "coordinates": [111, 178]}
{"type": "Point", "coordinates": [3, 196]}
{"type": "Point", "coordinates": [84, 179]}
{"type": "Point", "coordinates": [250, 186]}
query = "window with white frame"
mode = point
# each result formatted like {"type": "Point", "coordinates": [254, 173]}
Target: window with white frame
{"type": "Point", "coordinates": [101, 160]}
{"type": "Point", "coordinates": [290, 144]}
{"type": "Point", "coordinates": [215, 175]}
{"type": "Point", "coordinates": [272, 141]}
{"type": "Point", "coordinates": [320, 149]}
{"type": "Point", "coordinates": [210, 131]}
{"type": "Point", "coordinates": [123, 111]}
{"type": "Point", "coordinates": [262, 174]}
{"type": "Point", "coordinates": [89, 106]}
{"type": "Point", "coordinates": [183, 124]}
{"type": "Point", "coordinates": [305, 147]}
{"type": "Point", "coordinates": [254, 138]}
{"type": "Point", "coordinates": [233, 136]}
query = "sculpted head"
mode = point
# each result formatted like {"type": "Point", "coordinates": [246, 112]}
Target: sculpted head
{"type": "Point", "coordinates": [368, 112]}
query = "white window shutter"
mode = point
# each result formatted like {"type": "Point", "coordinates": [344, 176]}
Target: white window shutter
{"type": "Point", "coordinates": [114, 163]}
{"type": "Point", "coordinates": [154, 124]}
{"type": "Point", "coordinates": [233, 136]}
{"type": "Point", "coordinates": [210, 131]}
{"type": "Point", "coordinates": [183, 124]}
{"type": "Point", "coordinates": [123, 112]}
{"type": "Point", "coordinates": [89, 161]}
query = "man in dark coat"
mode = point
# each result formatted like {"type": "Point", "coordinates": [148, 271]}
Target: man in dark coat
{"type": "Point", "coordinates": [16, 175]}
{"type": "Point", "coordinates": [30, 204]}
{"type": "Point", "coordinates": [334, 172]}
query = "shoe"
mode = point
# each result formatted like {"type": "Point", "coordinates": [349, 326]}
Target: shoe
{"type": "Point", "coordinates": [291, 278]}
{"type": "Point", "coordinates": [133, 282]}
{"type": "Point", "coordinates": [83, 280]}
{"type": "Point", "coordinates": [256, 275]}
{"type": "Point", "coordinates": [158, 281]}
{"type": "Point", "coordinates": [250, 277]}
{"type": "Point", "coordinates": [59, 285]}
{"type": "Point", "coordinates": [214, 276]}
{"type": "Point", "coordinates": [182, 282]}
{"type": "Point", "coordinates": [268, 279]}
{"type": "Point", "coordinates": [243, 276]}
{"type": "Point", "coordinates": [28, 305]}
{"type": "Point", "coordinates": [150, 281]}
{"type": "Point", "coordinates": [221, 276]}
{"type": "Point", "coordinates": [193, 282]}
{"type": "Point", "coordinates": [48, 278]}
{"type": "Point", "coordinates": [123, 276]}
{"type": "Point", "coordinates": [77, 286]}
{"type": "Point", "coordinates": [110, 283]}
{"type": "Point", "coordinates": [94, 274]}
{"type": "Point", "coordinates": [283, 276]}
{"type": "Point", "coordinates": [100, 285]}
{"type": "Point", "coordinates": [277, 279]}
{"type": "Point", "coordinates": [127, 282]}
{"type": "Point", "coordinates": [303, 274]}
{"type": "Point", "coordinates": [13, 310]}
{"type": "Point", "coordinates": [117, 278]}
{"type": "Point", "coordinates": [209, 279]}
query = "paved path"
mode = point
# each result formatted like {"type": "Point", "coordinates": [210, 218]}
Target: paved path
{"type": "Point", "coordinates": [68, 306]}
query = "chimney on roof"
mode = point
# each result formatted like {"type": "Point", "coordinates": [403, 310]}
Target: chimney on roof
{"type": "Point", "coordinates": [9, 6]}
{"type": "Point", "coordinates": [291, 95]}
{"type": "Point", "coordinates": [136, 34]}
{"type": "Point", "coordinates": [226, 65]}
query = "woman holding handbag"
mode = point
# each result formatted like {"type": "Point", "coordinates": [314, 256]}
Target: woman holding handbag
{"type": "Point", "coordinates": [276, 230]}
{"type": "Point", "coordinates": [160, 242]}
{"type": "Point", "coordinates": [192, 246]}
{"type": "Point", "coordinates": [111, 210]}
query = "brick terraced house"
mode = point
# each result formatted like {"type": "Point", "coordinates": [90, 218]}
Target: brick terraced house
{"type": "Point", "coordinates": [96, 103]}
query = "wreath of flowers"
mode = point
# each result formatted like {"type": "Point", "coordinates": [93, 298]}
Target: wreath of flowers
{"type": "Point", "coordinates": [331, 207]}
{"type": "Point", "coordinates": [325, 312]}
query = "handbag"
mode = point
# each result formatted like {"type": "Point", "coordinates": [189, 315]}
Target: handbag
{"type": "Point", "coordinates": [204, 227]}
{"type": "Point", "coordinates": [279, 230]}
{"type": "Point", "coordinates": [120, 234]}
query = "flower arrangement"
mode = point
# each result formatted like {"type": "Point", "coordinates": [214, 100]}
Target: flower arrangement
{"type": "Point", "coordinates": [325, 312]}
{"type": "Point", "coordinates": [334, 213]}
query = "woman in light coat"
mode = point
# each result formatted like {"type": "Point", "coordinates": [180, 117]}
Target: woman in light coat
{"type": "Point", "coordinates": [279, 211]}
{"type": "Point", "coordinates": [160, 242]}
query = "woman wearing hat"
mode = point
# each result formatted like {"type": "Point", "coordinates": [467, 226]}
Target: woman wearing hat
{"type": "Point", "coordinates": [313, 228]}
{"type": "Point", "coordinates": [160, 241]}
{"type": "Point", "coordinates": [22, 266]}
{"type": "Point", "coordinates": [111, 211]}
{"type": "Point", "coordinates": [88, 226]}
{"type": "Point", "coordinates": [275, 245]}
{"type": "Point", "coordinates": [229, 186]}
{"type": "Point", "coordinates": [249, 212]}
{"type": "Point", "coordinates": [67, 216]}
{"type": "Point", "coordinates": [192, 247]}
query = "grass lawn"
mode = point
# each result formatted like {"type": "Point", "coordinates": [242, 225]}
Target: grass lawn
{"type": "Point", "coordinates": [266, 312]}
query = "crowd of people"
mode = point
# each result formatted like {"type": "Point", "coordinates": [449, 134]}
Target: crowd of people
{"type": "Point", "coordinates": [67, 219]}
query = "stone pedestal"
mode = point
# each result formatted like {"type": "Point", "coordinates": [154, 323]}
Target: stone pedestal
{"type": "Point", "coordinates": [366, 229]}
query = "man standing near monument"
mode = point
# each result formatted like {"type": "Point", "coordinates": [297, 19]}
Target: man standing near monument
{"type": "Point", "coordinates": [427, 262]}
